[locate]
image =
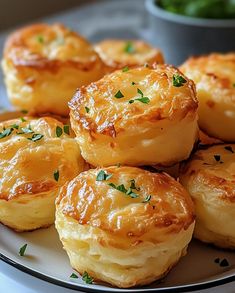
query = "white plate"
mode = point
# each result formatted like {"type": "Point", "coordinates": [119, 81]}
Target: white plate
{"type": "Point", "coordinates": [45, 257]}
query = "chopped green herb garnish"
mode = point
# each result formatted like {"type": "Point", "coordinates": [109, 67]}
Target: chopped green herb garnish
{"type": "Point", "coordinates": [128, 191]}
{"type": "Point", "coordinates": [133, 83]}
{"type": "Point", "coordinates": [66, 129]}
{"type": "Point", "coordinates": [58, 131]}
{"type": "Point", "coordinates": [22, 119]}
{"type": "Point", "coordinates": [140, 92]}
{"type": "Point", "coordinates": [224, 263]}
{"type": "Point", "coordinates": [144, 100]}
{"type": "Point", "coordinates": [22, 250]}
{"type": "Point", "coordinates": [217, 158]}
{"type": "Point", "coordinates": [26, 130]}
{"type": "Point", "coordinates": [56, 175]}
{"type": "Point", "coordinates": [234, 85]}
{"type": "Point", "coordinates": [87, 278]}
{"type": "Point", "coordinates": [147, 199]}
{"type": "Point", "coordinates": [102, 176]}
{"type": "Point", "coordinates": [125, 69]}
{"type": "Point", "coordinates": [118, 165]}
{"type": "Point", "coordinates": [24, 111]}
{"type": "Point", "coordinates": [146, 65]}
{"type": "Point", "coordinates": [178, 80]}
{"type": "Point", "coordinates": [229, 148]}
{"type": "Point", "coordinates": [119, 95]}
{"type": "Point", "coordinates": [129, 48]}
{"type": "Point", "coordinates": [36, 137]}
{"type": "Point", "coordinates": [6, 132]}
{"type": "Point", "coordinates": [87, 109]}
{"type": "Point", "coordinates": [133, 186]}
{"type": "Point", "coordinates": [15, 126]}
{"type": "Point", "coordinates": [40, 39]}
{"type": "Point", "coordinates": [73, 276]}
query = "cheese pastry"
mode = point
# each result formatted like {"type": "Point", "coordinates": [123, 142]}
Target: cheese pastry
{"type": "Point", "coordinates": [124, 225]}
{"type": "Point", "coordinates": [142, 116]}
{"type": "Point", "coordinates": [214, 76]}
{"type": "Point", "coordinates": [37, 156]}
{"type": "Point", "coordinates": [209, 177]}
{"type": "Point", "coordinates": [43, 66]}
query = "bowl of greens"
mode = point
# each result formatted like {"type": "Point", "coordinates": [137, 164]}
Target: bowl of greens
{"type": "Point", "coordinates": [182, 28]}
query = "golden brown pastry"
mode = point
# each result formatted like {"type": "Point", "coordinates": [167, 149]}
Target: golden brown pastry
{"type": "Point", "coordinates": [209, 178]}
{"type": "Point", "coordinates": [124, 225]}
{"type": "Point", "coordinates": [214, 76]}
{"type": "Point", "coordinates": [43, 66]}
{"type": "Point", "coordinates": [142, 116]}
{"type": "Point", "coordinates": [37, 156]}
{"type": "Point", "coordinates": [118, 54]}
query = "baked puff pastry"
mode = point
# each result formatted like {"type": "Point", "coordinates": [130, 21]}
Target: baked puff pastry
{"type": "Point", "coordinates": [43, 66]}
{"type": "Point", "coordinates": [117, 54]}
{"type": "Point", "coordinates": [124, 225]}
{"type": "Point", "coordinates": [209, 177]}
{"type": "Point", "coordinates": [214, 76]}
{"type": "Point", "coordinates": [37, 156]}
{"type": "Point", "coordinates": [142, 116]}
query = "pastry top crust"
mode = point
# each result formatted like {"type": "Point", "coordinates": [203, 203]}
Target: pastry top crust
{"type": "Point", "coordinates": [120, 53]}
{"type": "Point", "coordinates": [49, 47]}
{"type": "Point", "coordinates": [138, 97]}
{"type": "Point", "coordinates": [155, 201]}
{"type": "Point", "coordinates": [212, 168]}
{"type": "Point", "coordinates": [32, 151]}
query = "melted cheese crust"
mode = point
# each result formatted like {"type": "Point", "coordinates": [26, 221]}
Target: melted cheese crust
{"type": "Point", "coordinates": [115, 55]}
{"type": "Point", "coordinates": [27, 171]}
{"type": "Point", "coordinates": [119, 239]}
{"type": "Point", "coordinates": [44, 64]}
{"type": "Point", "coordinates": [214, 76]}
{"type": "Point", "coordinates": [209, 178]}
{"type": "Point", "coordinates": [105, 124]}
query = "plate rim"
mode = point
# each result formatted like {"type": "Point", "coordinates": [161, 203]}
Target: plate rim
{"type": "Point", "coordinates": [182, 288]}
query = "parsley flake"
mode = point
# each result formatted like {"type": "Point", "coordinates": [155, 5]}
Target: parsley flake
{"type": "Point", "coordinates": [119, 95]}
{"type": "Point", "coordinates": [40, 39]}
{"type": "Point", "coordinates": [66, 129]}
{"type": "Point", "coordinates": [22, 119]}
{"type": "Point", "coordinates": [125, 69]}
{"type": "Point", "coordinates": [87, 109]}
{"type": "Point", "coordinates": [133, 83]}
{"type": "Point", "coordinates": [129, 48]}
{"type": "Point", "coordinates": [58, 131]}
{"type": "Point", "coordinates": [147, 199]}
{"type": "Point", "coordinates": [6, 132]}
{"type": "Point", "coordinates": [178, 80]}
{"type": "Point", "coordinates": [102, 176]}
{"type": "Point", "coordinates": [56, 175]}
{"type": "Point", "coordinates": [128, 191]}
{"type": "Point", "coordinates": [144, 100]}
{"type": "Point", "coordinates": [22, 250]}
{"type": "Point", "coordinates": [36, 137]}
{"type": "Point", "coordinates": [87, 278]}
{"type": "Point", "coordinates": [73, 276]}
{"type": "Point", "coordinates": [15, 126]}
{"type": "Point", "coordinates": [229, 148]}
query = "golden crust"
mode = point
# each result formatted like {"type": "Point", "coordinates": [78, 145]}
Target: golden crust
{"type": "Point", "coordinates": [117, 125]}
{"type": "Point", "coordinates": [115, 55]}
{"type": "Point", "coordinates": [120, 239]}
{"type": "Point", "coordinates": [27, 170]}
{"type": "Point", "coordinates": [44, 64]}
{"type": "Point", "coordinates": [94, 203]}
{"type": "Point", "coordinates": [210, 179]}
{"type": "Point", "coordinates": [214, 76]}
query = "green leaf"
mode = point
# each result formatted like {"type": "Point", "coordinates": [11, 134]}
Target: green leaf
{"type": "Point", "coordinates": [140, 92]}
{"type": "Point", "coordinates": [73, 276]}
{"type": "Point", "coordinates": [87, 278]}
{"type": "Point", "coordinates": [178, 80]}
{"type": "Point", "coordinates": [144, 100]}
{"type": "Point", "coordinates": [147, 198]}
{"type": "Point", "coordinates": [6, 132]}
{"type": "Point", "coordinates": [59, 131]}
{"type": "Point", "coordinates": [40, 39]}
{"type": "Point", "coordinates": [129, 48]}
{"type": "Point", "coordinates": [26, 130]}
{"type": "Point", "coordinates": [133, 83]}
{"type": "Point", "coordinates": [66, 129]}
{"type": "Point", "coordinates": [22, 119]}
{"type": "Point", "coordinates": [56, 175]}
{"type": "Point", "coordinates": [36, 137]}
{"type": "Point", "coordinates": [22, 250]}
{"type": "Point", "coordinates": [15, 126]}
{"type": "Point", "coordinates": [101, 176]}
{"type": "Point", "coordinates": [119, 95]}
{"type": "Point", "coordinates": [125, 69]}
{"type": "Point", "coordinates": [87, 109]}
